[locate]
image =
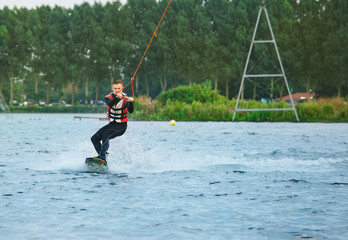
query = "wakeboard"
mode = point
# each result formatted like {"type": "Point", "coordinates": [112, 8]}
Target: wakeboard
{"type": "Point", "coordinates": [96, 165]}
{"type": "Point", "coordinates": [95, 162]}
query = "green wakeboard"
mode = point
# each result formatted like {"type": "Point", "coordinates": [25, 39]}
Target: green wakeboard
{"type": "Point", "coordinates": [95, 162]}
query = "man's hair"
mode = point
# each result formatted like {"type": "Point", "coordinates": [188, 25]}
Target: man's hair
{"type": "Point", "coordinates": [118, 81]}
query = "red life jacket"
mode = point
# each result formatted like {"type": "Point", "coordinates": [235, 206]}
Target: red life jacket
{"type": "Point", "coordinates": [118, 113]}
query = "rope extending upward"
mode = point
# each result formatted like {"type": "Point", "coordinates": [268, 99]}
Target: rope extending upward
{"type": "Point", "coordinates": [147, 48]}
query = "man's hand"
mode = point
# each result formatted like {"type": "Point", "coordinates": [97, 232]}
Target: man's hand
{"type": "Point", "coordinates": [119, 95]}
{"type": "Point", "coordinates": [130, 99]}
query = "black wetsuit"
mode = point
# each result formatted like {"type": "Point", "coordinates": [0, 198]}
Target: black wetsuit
{"type": "Point", "coordinates": [101, 138]}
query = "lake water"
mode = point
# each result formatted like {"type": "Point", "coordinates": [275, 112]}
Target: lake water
{"type": "Point", "coordinates": [194, 180]}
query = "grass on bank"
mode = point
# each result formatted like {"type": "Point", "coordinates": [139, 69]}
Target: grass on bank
{"type": "Point", "coordinates": [319, 111]}
{"type": "Point", "coordinates": [201, 103]}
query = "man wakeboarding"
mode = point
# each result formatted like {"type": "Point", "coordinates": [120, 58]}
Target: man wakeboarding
{"type": "Point", "coordinates": [118, 105]}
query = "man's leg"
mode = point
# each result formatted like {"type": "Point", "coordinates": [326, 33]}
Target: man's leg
{"type": "Point", "coordinates": [97, 138]}
{"type": "Point", "coordinates": [113, 131]}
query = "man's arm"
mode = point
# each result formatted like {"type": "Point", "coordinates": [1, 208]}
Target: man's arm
{"type": "Point", "coordinates": [111, 101]}
{"type": "Point", "coordinates": [130, 106]}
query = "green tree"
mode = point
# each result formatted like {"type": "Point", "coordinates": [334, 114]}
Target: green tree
{"type": "Point", "coordinates": [85, 34]}
{"type": "Point", "coordinates": [221, 31]}
{"type": "Point", "coordinates": [308, 48]}
{"type": "Point", "coordinates": [54, 55]}
{"type": "Point", "coordinates": [192, 30]}
{"type": "Point", "coordinates": [79, 51]}
{"type": "Point", "coordinates": [4, 38]}
{"type": "Point", "coordinates": [334, 71]}
{"type": "Point", "coordinates": [281, 14]}
{"type": "Point", "coordinates": [13, 48]}
{"type": "Point", "coordinates": [112, 44]}
{"type": "Point", "coordinates": [35, 33]}
{"type": "Point", "coordinates": [143, 23]}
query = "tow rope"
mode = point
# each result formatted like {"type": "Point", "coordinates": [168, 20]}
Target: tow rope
{"type": "Point", "coordinates": [148, 46]}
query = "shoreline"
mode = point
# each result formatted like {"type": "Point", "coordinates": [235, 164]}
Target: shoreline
{"type": "Point", "coordinates": [309, 112]}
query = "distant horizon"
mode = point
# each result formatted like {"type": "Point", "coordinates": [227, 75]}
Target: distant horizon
{"type": "Point", "coordinates": [32, 4]}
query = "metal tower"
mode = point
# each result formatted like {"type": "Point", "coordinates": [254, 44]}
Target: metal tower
{"type": "Point", "coordinates": [272, 75]}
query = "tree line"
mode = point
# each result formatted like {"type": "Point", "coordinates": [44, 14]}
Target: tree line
{"type": "Point", "coordinates": [55, 53]}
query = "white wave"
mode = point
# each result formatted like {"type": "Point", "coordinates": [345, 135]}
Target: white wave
{"type": "Point", "coordinates": [159, 159]}
{"type": "Point", "coordinates": [127, 156]}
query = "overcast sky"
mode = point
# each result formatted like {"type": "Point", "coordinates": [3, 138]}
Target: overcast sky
{"type": "Point", "coordinates": [52, 3]}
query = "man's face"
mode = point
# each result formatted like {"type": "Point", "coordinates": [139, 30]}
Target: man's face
{"type": "Point", "coordinates": [116, 88]}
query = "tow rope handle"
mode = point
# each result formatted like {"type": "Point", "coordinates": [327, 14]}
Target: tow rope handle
{"type": "Point", "coordinates": [147, 48]}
